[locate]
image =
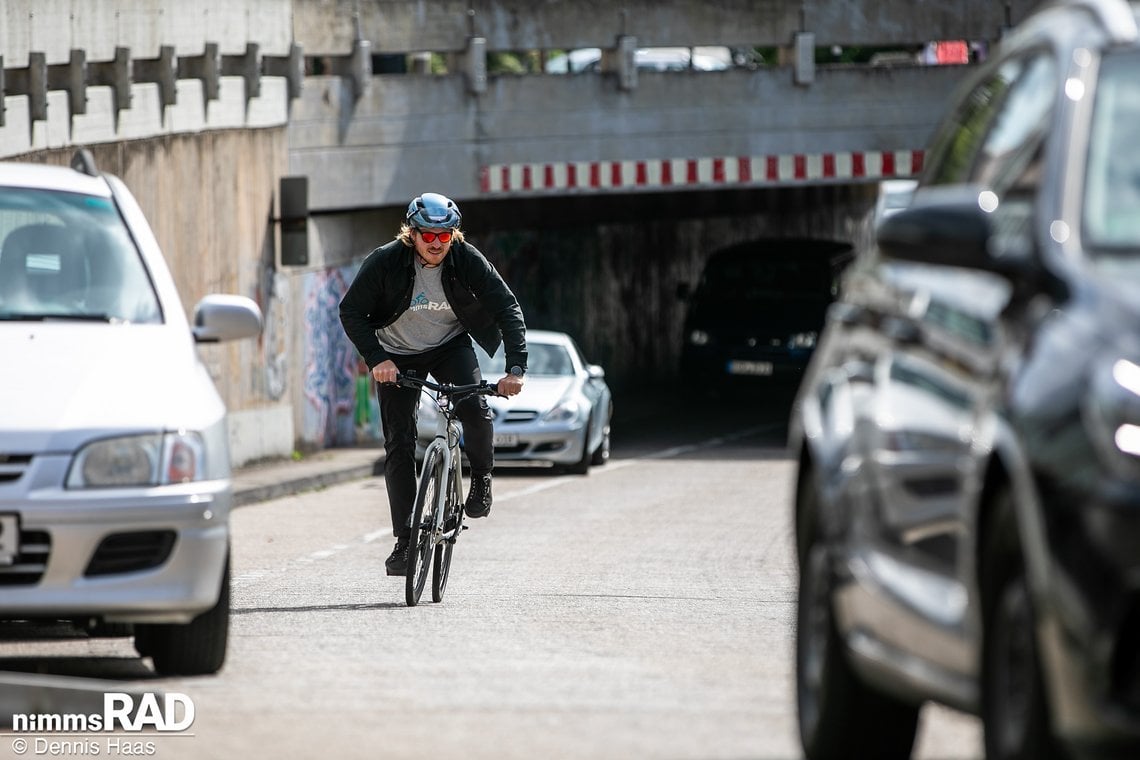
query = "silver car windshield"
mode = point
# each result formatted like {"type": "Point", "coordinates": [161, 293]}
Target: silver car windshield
{"type": "Point", "coordinates": [1112, 176]}
{"type": "Point", "coordinates": [543, 359]}
{"type": "Point", "coordinates": [69, 256]}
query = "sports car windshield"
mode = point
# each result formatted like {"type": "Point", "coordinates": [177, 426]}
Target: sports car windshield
{"type": "Point", "coordinates": [1112, 176]}
{"type": "Point", "coordinates": [547, 359]}
{"type": "Point", "coordinates": [67, 256]}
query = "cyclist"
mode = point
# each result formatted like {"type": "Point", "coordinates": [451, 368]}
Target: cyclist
{"type": "Point", "coordinates": [415, 305]}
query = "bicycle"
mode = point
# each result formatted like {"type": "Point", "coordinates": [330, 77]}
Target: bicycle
{"type": "Point", "coordinates": [437, 516]}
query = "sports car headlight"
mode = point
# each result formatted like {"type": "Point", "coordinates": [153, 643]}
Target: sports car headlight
{"type": "Point", "coordinates": [566, 410]}
{"type": "Point", "coordinates": [429, 410]}
{"type": "Point", "coordinates": [139, 460]}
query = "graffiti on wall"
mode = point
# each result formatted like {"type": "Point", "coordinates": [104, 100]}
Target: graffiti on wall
{"type": "Point", "coordinates": [330, 362]}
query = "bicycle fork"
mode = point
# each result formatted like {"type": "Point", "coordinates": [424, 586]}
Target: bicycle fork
{"type": "Point", "coordinates": [451, 505]}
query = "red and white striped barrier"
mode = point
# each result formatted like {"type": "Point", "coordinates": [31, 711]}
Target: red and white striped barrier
{"type": "Point", "coordinates": [698, 172]}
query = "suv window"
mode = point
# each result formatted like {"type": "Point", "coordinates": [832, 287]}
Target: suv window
{"type": "Point", "coordinates": [67, 255]}
{"type": "Point", "coordinates": [999, 127]}
{"type": "Point", "coordinates": [1111, 214]}
{"type": "Point", "coordinates": [1012, 152]}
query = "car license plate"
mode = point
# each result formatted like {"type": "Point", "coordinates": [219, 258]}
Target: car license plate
{"type": "Point", "coordinates": [9, 539]}
{"type": "Point", "coordinates": [740, 367]}
{"type": "Point", "coordinates": [505, 439]}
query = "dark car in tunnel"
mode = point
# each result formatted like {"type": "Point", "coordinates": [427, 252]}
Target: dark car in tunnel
{"type": "Point", "coordinates": [758, 308]}
{"type": "Point", "coordinates": [967, 500]}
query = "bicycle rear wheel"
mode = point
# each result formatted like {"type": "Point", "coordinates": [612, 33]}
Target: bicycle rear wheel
{"type": "Point", "coordinates": [431, 480]}
{"type": "Point", "coordinates": [442, 561]}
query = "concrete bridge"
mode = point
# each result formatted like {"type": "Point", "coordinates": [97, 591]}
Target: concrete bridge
{"type": "Point", "coordinates": [228, 117]}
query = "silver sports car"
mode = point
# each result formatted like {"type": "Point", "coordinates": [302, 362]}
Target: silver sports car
{"type": "Point", "coordinates": [561, 418]}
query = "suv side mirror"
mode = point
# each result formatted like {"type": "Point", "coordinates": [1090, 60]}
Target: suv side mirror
{"type": "Point", "coordinates": [943, 225]}
{"type": "Point", "coordinates": [955, 226]}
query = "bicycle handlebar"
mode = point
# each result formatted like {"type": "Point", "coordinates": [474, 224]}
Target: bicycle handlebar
{"type": "Point", "coordinates": [481, 388]}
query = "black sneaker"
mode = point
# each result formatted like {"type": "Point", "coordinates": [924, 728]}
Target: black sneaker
{"type": "Point", "coordinates": [479, 497]}
{"type": "Point", "coordinates": [397, 562]}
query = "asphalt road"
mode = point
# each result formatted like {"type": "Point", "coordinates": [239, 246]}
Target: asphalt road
{"type": "Point", "coordinates": [642, 611]}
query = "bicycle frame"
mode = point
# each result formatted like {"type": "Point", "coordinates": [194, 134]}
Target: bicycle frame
{"type": "Point", "coordinates": [437, 515]}
{"type": "Point", "coordinates": [446, 442]}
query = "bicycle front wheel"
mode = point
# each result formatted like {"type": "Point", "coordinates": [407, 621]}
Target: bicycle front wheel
{"type": "Point", "coordinates": [419, 553]}
{"type": "Point", "coordinates": [442, 562]}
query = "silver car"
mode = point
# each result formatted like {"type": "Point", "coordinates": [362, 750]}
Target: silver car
{"type": "Point", "coordinates": [562, 417]}
{"type": "Point", "coordinates": [114, 465]}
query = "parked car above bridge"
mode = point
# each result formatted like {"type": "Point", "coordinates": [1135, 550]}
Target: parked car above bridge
{"type": "Point", "coordinates": [707, 58]}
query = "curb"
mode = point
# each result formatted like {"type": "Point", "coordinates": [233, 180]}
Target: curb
{"type": "Point", "coordinates": [274, 481]}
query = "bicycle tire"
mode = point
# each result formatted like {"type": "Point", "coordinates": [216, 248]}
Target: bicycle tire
{"type": "Point", "coordinates": [421, 544]}
{"type": "Point", "coordinates": [441, 564]}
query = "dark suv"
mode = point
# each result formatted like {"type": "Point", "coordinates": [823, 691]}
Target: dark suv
{"type": "Point", "coordinates": [758, 308]}
{"type": "Point", "coordinates": [967, 504]}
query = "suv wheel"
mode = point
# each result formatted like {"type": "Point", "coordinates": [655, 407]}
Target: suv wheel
{"type": "Point", "coordinates": [839, 715]}
{"type": "Point", "coordinates": [1015, 713]}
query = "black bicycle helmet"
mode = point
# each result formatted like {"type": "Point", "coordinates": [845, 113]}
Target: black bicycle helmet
{"type": "Point", "coordinates": [433, 210]}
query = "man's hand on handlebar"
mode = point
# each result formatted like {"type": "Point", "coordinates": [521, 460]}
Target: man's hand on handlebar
{"type": "Point", "coordinates": [385, 372]}
{"type": "Point", "coordinates": [510, 385]}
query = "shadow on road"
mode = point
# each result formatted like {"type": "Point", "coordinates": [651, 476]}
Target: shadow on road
{"type": "Point", "coordinates": [677, 415]}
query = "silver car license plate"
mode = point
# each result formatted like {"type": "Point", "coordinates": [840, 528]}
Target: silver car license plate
{"type": "Point", "coordinates": [505, 439]}
{"type": "Point", "coordinates": [741, 367]}
{"type": "Point", "coordinates": [9, 539]}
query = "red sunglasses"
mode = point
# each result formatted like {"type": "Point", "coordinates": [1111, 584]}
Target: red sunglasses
{"type": "Point", "coordinates": [429, 237]}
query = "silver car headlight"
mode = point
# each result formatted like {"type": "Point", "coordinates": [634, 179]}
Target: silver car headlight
{"type": "Point", "coordinates": [139, 460]}
{"type": "Point", "coordinates": [566, 410]}
{"type": "Point", "coordinates": [429, 411]}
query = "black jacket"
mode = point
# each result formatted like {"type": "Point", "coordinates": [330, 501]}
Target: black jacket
{"type": "Point", "coordinates": [382, 291]}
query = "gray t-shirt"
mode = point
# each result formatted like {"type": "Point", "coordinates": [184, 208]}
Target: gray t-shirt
{"type": "Point", "coordinates": [428, 322]}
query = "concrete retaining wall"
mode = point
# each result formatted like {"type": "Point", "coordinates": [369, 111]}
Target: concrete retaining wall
{"type": "Point", "coordinates": [210, 199]}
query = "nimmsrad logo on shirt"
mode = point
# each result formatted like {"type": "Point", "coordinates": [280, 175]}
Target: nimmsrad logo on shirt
{"type": "Point", "coordinates": [421, 302]}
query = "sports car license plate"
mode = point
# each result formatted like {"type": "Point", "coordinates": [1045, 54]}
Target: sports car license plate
{"type": "Point", "coordinates": [505, 439]}
{"type": "Point", "coordinates": [9, 539]}
{"type": "Point", "coordinates": [740, 367]}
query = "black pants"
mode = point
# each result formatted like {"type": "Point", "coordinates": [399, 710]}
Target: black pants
{"type": "Point", "coordinates": [453, 362]}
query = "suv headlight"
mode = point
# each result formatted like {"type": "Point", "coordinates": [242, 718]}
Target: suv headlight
{"type": "Point", "coordinates": [139, 460]}
{"type": "Point", "coordinates": [1112, 414]}
{"type": "Point", "coordinates": [803, 340]}
{"type": "Point", "coordinates": [699, 338]}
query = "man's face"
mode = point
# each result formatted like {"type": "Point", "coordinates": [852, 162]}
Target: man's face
{"type": "Point", "coordinates": [432, 244]}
